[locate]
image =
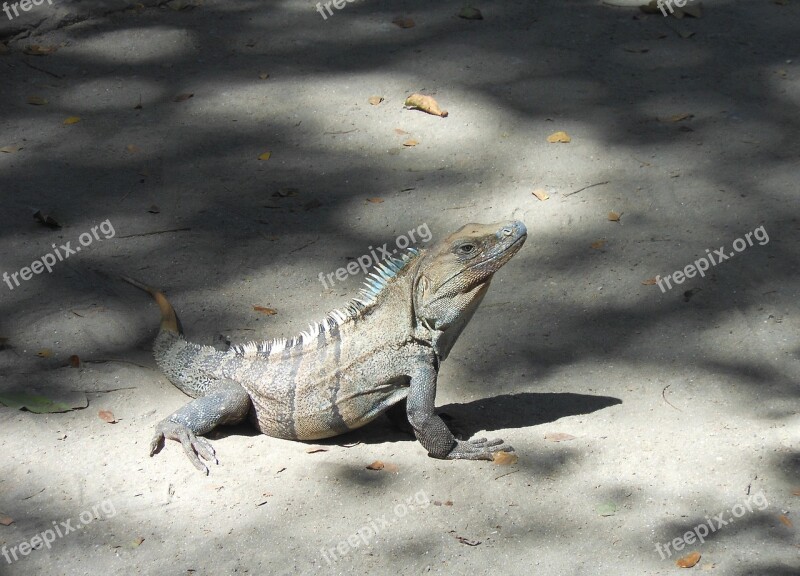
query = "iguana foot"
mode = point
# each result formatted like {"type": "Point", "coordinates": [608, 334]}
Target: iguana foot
{"type": "Point", "coordinates": [478, 449]}
{"type": "Point", "coordinates": [192, 445]}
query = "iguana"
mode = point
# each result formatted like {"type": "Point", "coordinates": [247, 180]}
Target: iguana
{"type": "Point", "coordinates": [382, 350]}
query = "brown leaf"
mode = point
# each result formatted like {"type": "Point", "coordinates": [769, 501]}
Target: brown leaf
{"type": "Point", "coordinates": [183, 97]}
{"type": "Point", "coordinates": [541, 194]}
{"type": "Point", "coordinates": [559, 137]}
{"type": "Point", "coordinates": [44, 353]}
{"type": "Point", "coordinates": [48, 221]}
{"type": "Point", "coordinates": [467, 541]}
{"type": "Point", "coordinates": [107, 416]}
{"type": "Point", "coordinates": [375, 100]}
{"type": "Point", "coordinates": [558, 436]}
{"type": "Point", "coordinates": [316, 448]}
{"type": "Point", "coordinates": [689, 560]}
{"type": "Point", "coordinates": [6, 520]}
{"type": "Point", "coordinates": [37, 101]}
{"type": "Point", "coordinates": [377, 465]}
{"type": "Point", "coordinates": [598, 244]}
{"type": "Point", "coordinates": [375, 200]}
{"type": "Point", "coordinates": [133, 149]}
{"type": "Point", "coordinates": [410, 143]}
{"type": "Point", "coordinates": [389, 467]}
{"type": "Point", "coordinates": [265, 156]}
{"type": "Point", "coordinates": [154, 209]}
{"type": "Point", "coordinates": [785, 520]}
{"type": "Point", "coordinates": [678, 117]}
{"type": "Point", "coordinates": [448, 503]}
{"type": "Point", "coordinates": [403, 22]}
{"type": "Point", "coordinates": [263, 75]}
{"type": "Point", "coordinates": [267, 311]}
{"type": "Point", "coordinates": [37, 50]}
{"type": "Point", "coordinates": [426, 104]}
{"type": "Point", "coordinates": [504, 458]}
{"type": "Point", "coordinates": [613, 216]}
{"type": "Point", "coordinates": [137, 542]}
{"type": "Point", "coordinates": [650, 281]}
{"type": "Point", "coordinates": [10, 149]}
{"type": "Point", "coordinates": [286, 192]}
{"type": "Point", "coordinates": [350, 444]}
{"type": "Point", "coordinates": [72, 120]}
{"type": "Point", "coordinates": [796, 492]}
{"type": "Point", "coordinates": [75, 361]}
{"type": "Point", "coordinates": [401, 131]}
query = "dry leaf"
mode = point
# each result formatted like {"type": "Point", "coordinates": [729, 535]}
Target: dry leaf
{"type": "Point", "coordinates": [137, 542]}
{"type": "Point", "coordinates": [183, 97]}
{"type": "Point", "coordinates": [316, 448]}
{"type": "Point", "coordinates": [541, 194]}
{"type": "Point", "coordinates": [400, 131]}
{"type": "Point", "coordinates": [678, 117]}
{"type": "Point", "coordinates": [389, 467]}
{"type": "Point", "coordinates": [350, 444]}
{"type": "Point", "coordinates": [265, 156]}
{"type": "Point", "coordinates": [426, 104]}
{"type": "Point", "coordinates": [637, 50]}
{"type": "Point", "coordinates": [44, 353]}
{"type": "Point", "coordinates": [598, 245]}
{"type": "Point", "coordinates": [558, 436]}
{"type": "Point", "coordinates": [470, 13]}
{"type": "Point", "coordinates": [267, 311]}
{"type": "Point", "coordinates": [410, 143]}
{"type": "Point", "coordinates": [650, 281]}
{"type": "Point", "coordinates": [154, 209]}
{"type": "Point", "coordinates": [785, 520]}
{"type": "Point", "coordinates": [559, 136]}
{"type": "Point", "coordinates": [36, 101]}
{"type": "Point", "coordinates": [48, 221]}
{"type": "Point", "coordinates": [689, 560]}
{"type": "Point", "coordinates": [613, 216]}
{"type": "Point", "coordinates": [375, 200]}
{"type": "Point", "coordinates": [286, 192]}
{"type": "Point", "coordinates": [6, 520]}
{"type": "Point", "coordinates": [263, 75]}
{"type": "Point", "coordinates": [503, 458]}
{"type": "Point", "coordinates": [10, 149]}
{"type": "Point", "coordinates": [3, 49]}
{"type": "Point", "coordinates": [377, 465]}
{"type": "Point", "coordinates": [796, 492]}
{"type": "Point", "coordinates": [72, 120]}
{"type": "Point", "coordinates": [107, 416]}
{"type": "Point", "coordinates": [467, 541]}
{"type": "Point", "coordinates": [133, 149]}
{"type": "Point", "coordinates": [403, 22]}
{"type": "Point", "coordinates": [375, 100]}
{"type": "Point", "coordinates": [75, 361]}
{"type": "Point", "coordinates": [37, 50]}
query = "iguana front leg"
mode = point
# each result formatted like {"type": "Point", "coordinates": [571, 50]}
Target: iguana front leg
{"type": "Point", "coordinates": [225, 403]}
{"type": "Point", "coordinates": [430, 429]}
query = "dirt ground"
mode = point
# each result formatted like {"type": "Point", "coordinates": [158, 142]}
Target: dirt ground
{"type": "Point", "coordinates": [652, 420]}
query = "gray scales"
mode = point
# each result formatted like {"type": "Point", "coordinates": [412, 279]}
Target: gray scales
{"type": "Point", "coordinates": [380, 353]}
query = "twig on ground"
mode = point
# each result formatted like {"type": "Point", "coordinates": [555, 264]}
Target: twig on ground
{"type": "Point", "coordinates": [156, 232]}
{"type": "Point", "coordinates": [586, 187]}
{"type": "Point", "coordinates": [664, 396]}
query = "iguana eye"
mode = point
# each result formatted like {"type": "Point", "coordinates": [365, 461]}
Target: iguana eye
{"type": "Point", "coordinates": [466, 248]}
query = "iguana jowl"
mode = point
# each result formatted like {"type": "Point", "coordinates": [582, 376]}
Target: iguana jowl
{"type": "Point", "coordinates": [383, 349]}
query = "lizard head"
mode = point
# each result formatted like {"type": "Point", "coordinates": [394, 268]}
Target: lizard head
{"type": "Point", "coordinates": [454, 275]}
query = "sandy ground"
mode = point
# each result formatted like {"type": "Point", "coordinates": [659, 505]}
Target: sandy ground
{"type": "Point", "coordinates": [681, 404]}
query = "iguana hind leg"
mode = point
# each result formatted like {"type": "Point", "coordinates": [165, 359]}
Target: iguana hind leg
{"type": "Point", "coordinates": [225, 403]}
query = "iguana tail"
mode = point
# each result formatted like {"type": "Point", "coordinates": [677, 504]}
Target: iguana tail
{"type": "Point", "coordinates": [169, 320]}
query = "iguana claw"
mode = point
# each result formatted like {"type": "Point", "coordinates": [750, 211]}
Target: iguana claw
{"type": "Point", "coordinates": [192, 445]}
{"type": "Point", "coordinates": [478, 449]}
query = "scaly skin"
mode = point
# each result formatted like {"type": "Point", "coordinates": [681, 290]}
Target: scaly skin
{"type": "Point", "coordinates": [384, 348]}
